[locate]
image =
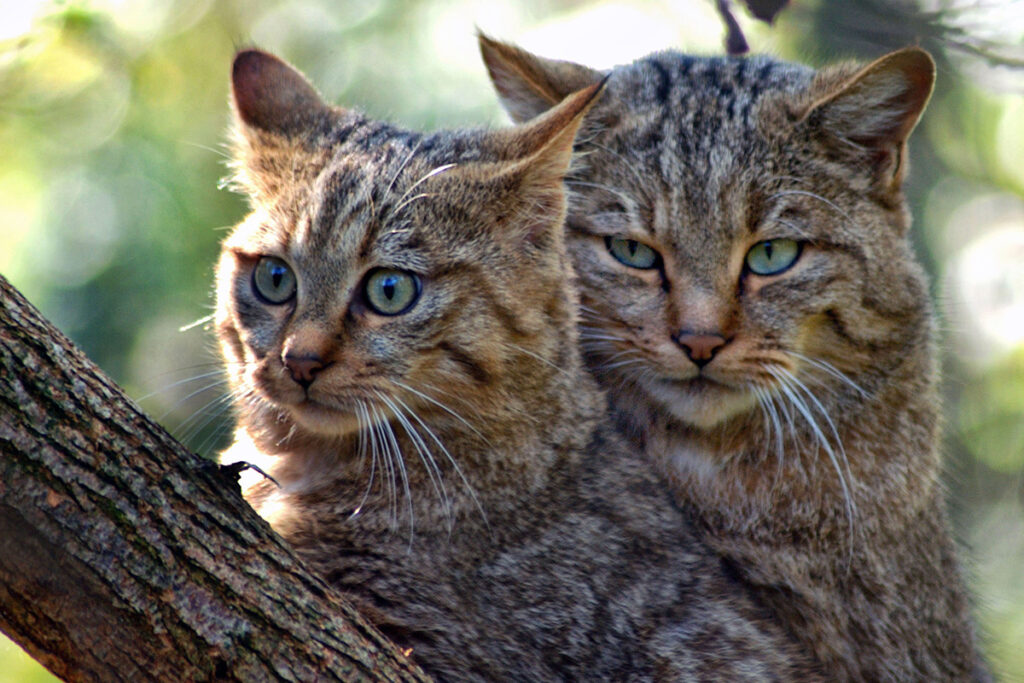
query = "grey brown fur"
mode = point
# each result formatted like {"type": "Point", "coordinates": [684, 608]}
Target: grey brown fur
{"type": "Point", "coordinates": [796, 413]}
{"type": "Point", "coordinates": [452, 467]}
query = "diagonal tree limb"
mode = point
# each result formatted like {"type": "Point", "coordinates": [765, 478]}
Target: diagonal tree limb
{"type": "Point", "coordinates": [123, 556]}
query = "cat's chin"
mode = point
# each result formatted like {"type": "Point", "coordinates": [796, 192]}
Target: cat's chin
{"type": "Point", "coordinates": [701, 403]}
{"type": "Point", "coordinates": [324, 421]}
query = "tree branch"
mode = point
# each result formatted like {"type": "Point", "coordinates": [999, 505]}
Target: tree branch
{"type": "Point", "coordinates": [123, 556]}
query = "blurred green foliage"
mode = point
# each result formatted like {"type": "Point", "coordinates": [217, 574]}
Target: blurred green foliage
{"type": "Point", "coordinates": [112, 122]}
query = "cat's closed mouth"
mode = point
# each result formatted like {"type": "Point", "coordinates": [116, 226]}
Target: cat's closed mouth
{"type": "Point", "coordinates": [700, 383]}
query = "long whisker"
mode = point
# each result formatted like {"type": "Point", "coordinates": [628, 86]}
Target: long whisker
{"type": "Point", "coordinates": [363, 423]}
{"type": "Point", "coordinates": [399, 408]}
{"type": "Point", "coordinates": [790, 385]}
{"type": "Point", "coordinates": [172, 385]}
{"type": "Point", "coordinates": [213, 411]}
{"type": "Point", "coordinates": [400, 462]}
{"type": "Point", "coordinates": [608, 367]}
{"type": "Point", "coordinates": [832, 370]}
{"type": "Point", "coordinates": [614, 356]}
{"type": "Point", "coordinates": [448, 455]}
{"type": "Point", "coordinates": [201, 417]}
{"type": "Point", "coordinates": [625, 163]}
{"type": "Point", "coordinates": [780, 447]}
{"type": "Point", "coordinates": [772, 423]}
{"type": "Point", "coordinates": [381, 445]}
{"type": "Point", "coordinates": [196, 323]}
{"type": "Point", "coordinates": [797, 230]}
{"type": "Point", "coordinates": [542, 359]}
{"type": "Point", "coordinates": [813, 195]}
{"type": "Point", "coordinates": [442, 407]}
{"type": "Point", "coordinates": [402, 201]}
{"type": "Point", "coordinates": [185, 399]}
{"type": "Point", "coordinates": [590, 336]}
{"type": "Point", "coordinates": [824, 413]}
{"type": "Point", "coordinates": [401, 167]}
{"type": "Point", "coordinates": [604, 319]}
{"type": "Point", "coordinates": [219, 152]}
{"type": "Point", "coordinates": [625, 198]}
{"type": "Point", "coordinates": [403, 474]}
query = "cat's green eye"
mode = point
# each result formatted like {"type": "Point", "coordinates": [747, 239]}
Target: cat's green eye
{"type": "Point", "coordinates": [392, 292]}
{"type": "Point", "coordinates": [771, 257]}
{"type": "Point", "coordinates": [274, 280]}
{"type": "Point", "coordinates": [632, 253]}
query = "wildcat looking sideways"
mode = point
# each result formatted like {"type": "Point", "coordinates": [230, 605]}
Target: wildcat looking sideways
{"type": "Point", "coordinates": [400, 339]}
{"type": "Point", "coordinates": [751, 301]}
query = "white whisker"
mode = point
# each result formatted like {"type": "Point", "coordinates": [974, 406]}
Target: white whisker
{"type": "Point", "coordinates": [832, 370]}
{"type": "Point", "coordinates": [196, 323]}
{"type": "Point", "coordinates": [625, 198]}
{"type": "Point", "coordinates": [790, 384]}
{"type": "Point", "coordinates": [589, 336]}
{"type": "Point", "coordinates": [772, 422]}
{"type": "Point", "coordinates": [447, 454]}
{"type": "Point", "coordinates": [442, 407]}
{"type": "Point", "coordinates": [380, 445]}
{"type": "Point", "coordinates": [403, 202]}
{"type": "Point", "coordinates": [542, 359]}
{"type": "Point", "coordinates": [401, 167]}
{"type": "Point", "coordinates": [196, 378]}
{"type": "Point", "coordinates": [397, 405]}
{"type": "Point", "coordinates": [363, 424]}
{"type": "Point", "coordinates": [813, 195]}
{"type": "Point", "coordinates": [400, 463]}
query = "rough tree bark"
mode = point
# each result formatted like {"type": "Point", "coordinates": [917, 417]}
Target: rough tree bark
{"type": "Point", "coordinates": [123, 556]}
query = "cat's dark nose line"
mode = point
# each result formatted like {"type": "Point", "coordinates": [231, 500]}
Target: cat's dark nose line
{"type": "Point", "coordinates": [699, 347]}
{"type": "Point", "coordinates": [304, 368]}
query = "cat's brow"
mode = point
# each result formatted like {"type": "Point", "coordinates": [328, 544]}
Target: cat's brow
{"type": "Point", "coordinates": [340, 197]}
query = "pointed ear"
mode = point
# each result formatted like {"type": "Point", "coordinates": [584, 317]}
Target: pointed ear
{"type": "Point", "coordinates": [270, 95]}
{"type": "Point", "coordinates": [278, 119]}
{"type": "Point", "coordinates": [539, 155]}
{"type": "Point", "coordinates": [529, 85]}
{"type": "Point", "coordinates": [871, 114]}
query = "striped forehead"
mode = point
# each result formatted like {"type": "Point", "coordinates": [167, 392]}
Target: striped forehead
{"type": "Point", "coordinates": [353, 216]}
{"type": "Point", "coordinates": [689, 108]}
{"type": "Point", "coordinates": [692, 125]}
{"type": "Point", "coordinates": [731, 86]}
{"type": "Point", "coordinates": [341, 209]}
{"type": "Point", "coordinates": [346, 197]}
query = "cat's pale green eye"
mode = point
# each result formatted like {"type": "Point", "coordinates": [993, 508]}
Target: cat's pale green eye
{"type": "Point", "coordinates": [392, 292]}
{"type": "Point", "coordinates": [771, 257]}
{"type": "Point", "coordinates": [274, 280]}
{"type": "Point", "coordinates": [632, 253]}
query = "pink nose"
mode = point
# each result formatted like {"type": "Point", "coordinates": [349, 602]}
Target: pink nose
{"type": "Point", "coordinates": [303, 368]}
{"type": "Point", "coordinates": [700, 348]}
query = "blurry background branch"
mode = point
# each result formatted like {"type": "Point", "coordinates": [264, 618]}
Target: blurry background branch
{"type": "Point", "coordinates": [765, 10]}
{"type": "Point", "coordinates": [125, 557]}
